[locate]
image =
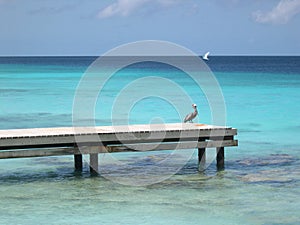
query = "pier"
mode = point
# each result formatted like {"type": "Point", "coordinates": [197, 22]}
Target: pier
{"type": "Point", "coordinates": [43, 142]}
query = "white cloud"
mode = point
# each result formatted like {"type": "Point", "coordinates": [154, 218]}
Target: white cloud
{"type": "Point", "coordinates": [280, 14]}
{"type": "Point", "coordinates": [127, 7]}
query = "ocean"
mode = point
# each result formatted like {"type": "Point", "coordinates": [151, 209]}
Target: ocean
{"type": "Point", "coordinates": [260, 183]}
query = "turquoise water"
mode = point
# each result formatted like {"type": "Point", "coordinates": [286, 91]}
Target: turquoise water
{"type": "Point", "coordinates": [260, 184]}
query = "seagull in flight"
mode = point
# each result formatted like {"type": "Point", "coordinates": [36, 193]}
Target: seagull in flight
{"type": "Point", "coordinates": [189, 117]}
{"type": "Point", "coordinates": [205, 57]}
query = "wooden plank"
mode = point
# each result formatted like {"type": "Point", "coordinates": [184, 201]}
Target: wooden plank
{"type": "Point", "coordinates": [112, 138]}
{"type": "Point", "coordinates": [24, 153]}
{"type": "Point", "coordinates": [71, 131]}
{"type": "Point", "coordinates": [171, 146]}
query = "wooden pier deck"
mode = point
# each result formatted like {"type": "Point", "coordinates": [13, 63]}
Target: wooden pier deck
{"type": "Point", "coordinates": [40, 142]}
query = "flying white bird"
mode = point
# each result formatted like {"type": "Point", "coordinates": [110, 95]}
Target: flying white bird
{"type": "Point", "coordinates": [191, 116]}
{"type": "Point", "coordinates": [205, 57]}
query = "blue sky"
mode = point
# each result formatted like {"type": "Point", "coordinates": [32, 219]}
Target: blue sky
{"type": "Point", "coordinates": [92, 27]}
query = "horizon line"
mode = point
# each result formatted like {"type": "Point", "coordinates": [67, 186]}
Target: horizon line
{"type": "Point", "coordinates": [216, 55]}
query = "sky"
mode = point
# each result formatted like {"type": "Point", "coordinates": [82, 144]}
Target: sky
{"type": "Point", "coordinates": [93, 27]}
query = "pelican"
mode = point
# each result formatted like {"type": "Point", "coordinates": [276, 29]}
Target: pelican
{"type": "Point", "coordinates": [191, 116]}
{"type": "Point", "coordinates": [205, 57]}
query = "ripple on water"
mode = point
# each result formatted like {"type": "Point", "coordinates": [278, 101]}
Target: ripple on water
{"type": "Point", "coordinates": [275, 168]}
{"type": "Point", "coordinates": [273, 159]}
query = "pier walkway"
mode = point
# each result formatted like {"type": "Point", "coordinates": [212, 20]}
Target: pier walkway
{"type": "Point", "coordinates": [40, 142]}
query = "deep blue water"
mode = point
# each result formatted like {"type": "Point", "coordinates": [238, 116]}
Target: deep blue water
{"type": "Point", "coordinates": [260, 184]}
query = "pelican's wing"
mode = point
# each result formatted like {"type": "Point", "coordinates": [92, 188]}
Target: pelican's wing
{"type": "Point", "coordinates": [187, 117]}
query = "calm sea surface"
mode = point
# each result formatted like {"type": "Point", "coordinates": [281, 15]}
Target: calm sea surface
{"type": "Point", "coordinates": [260, 184]}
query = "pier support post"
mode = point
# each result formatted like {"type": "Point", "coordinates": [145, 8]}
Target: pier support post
{"type": "Point", "coordinates": [94, 163]}
{"type": "Point", "coordinates": [78, 162]}
{"type": "Point", "coordinates": [220, 158]}
{"type": "Point", "coordinates": [201, 159]}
